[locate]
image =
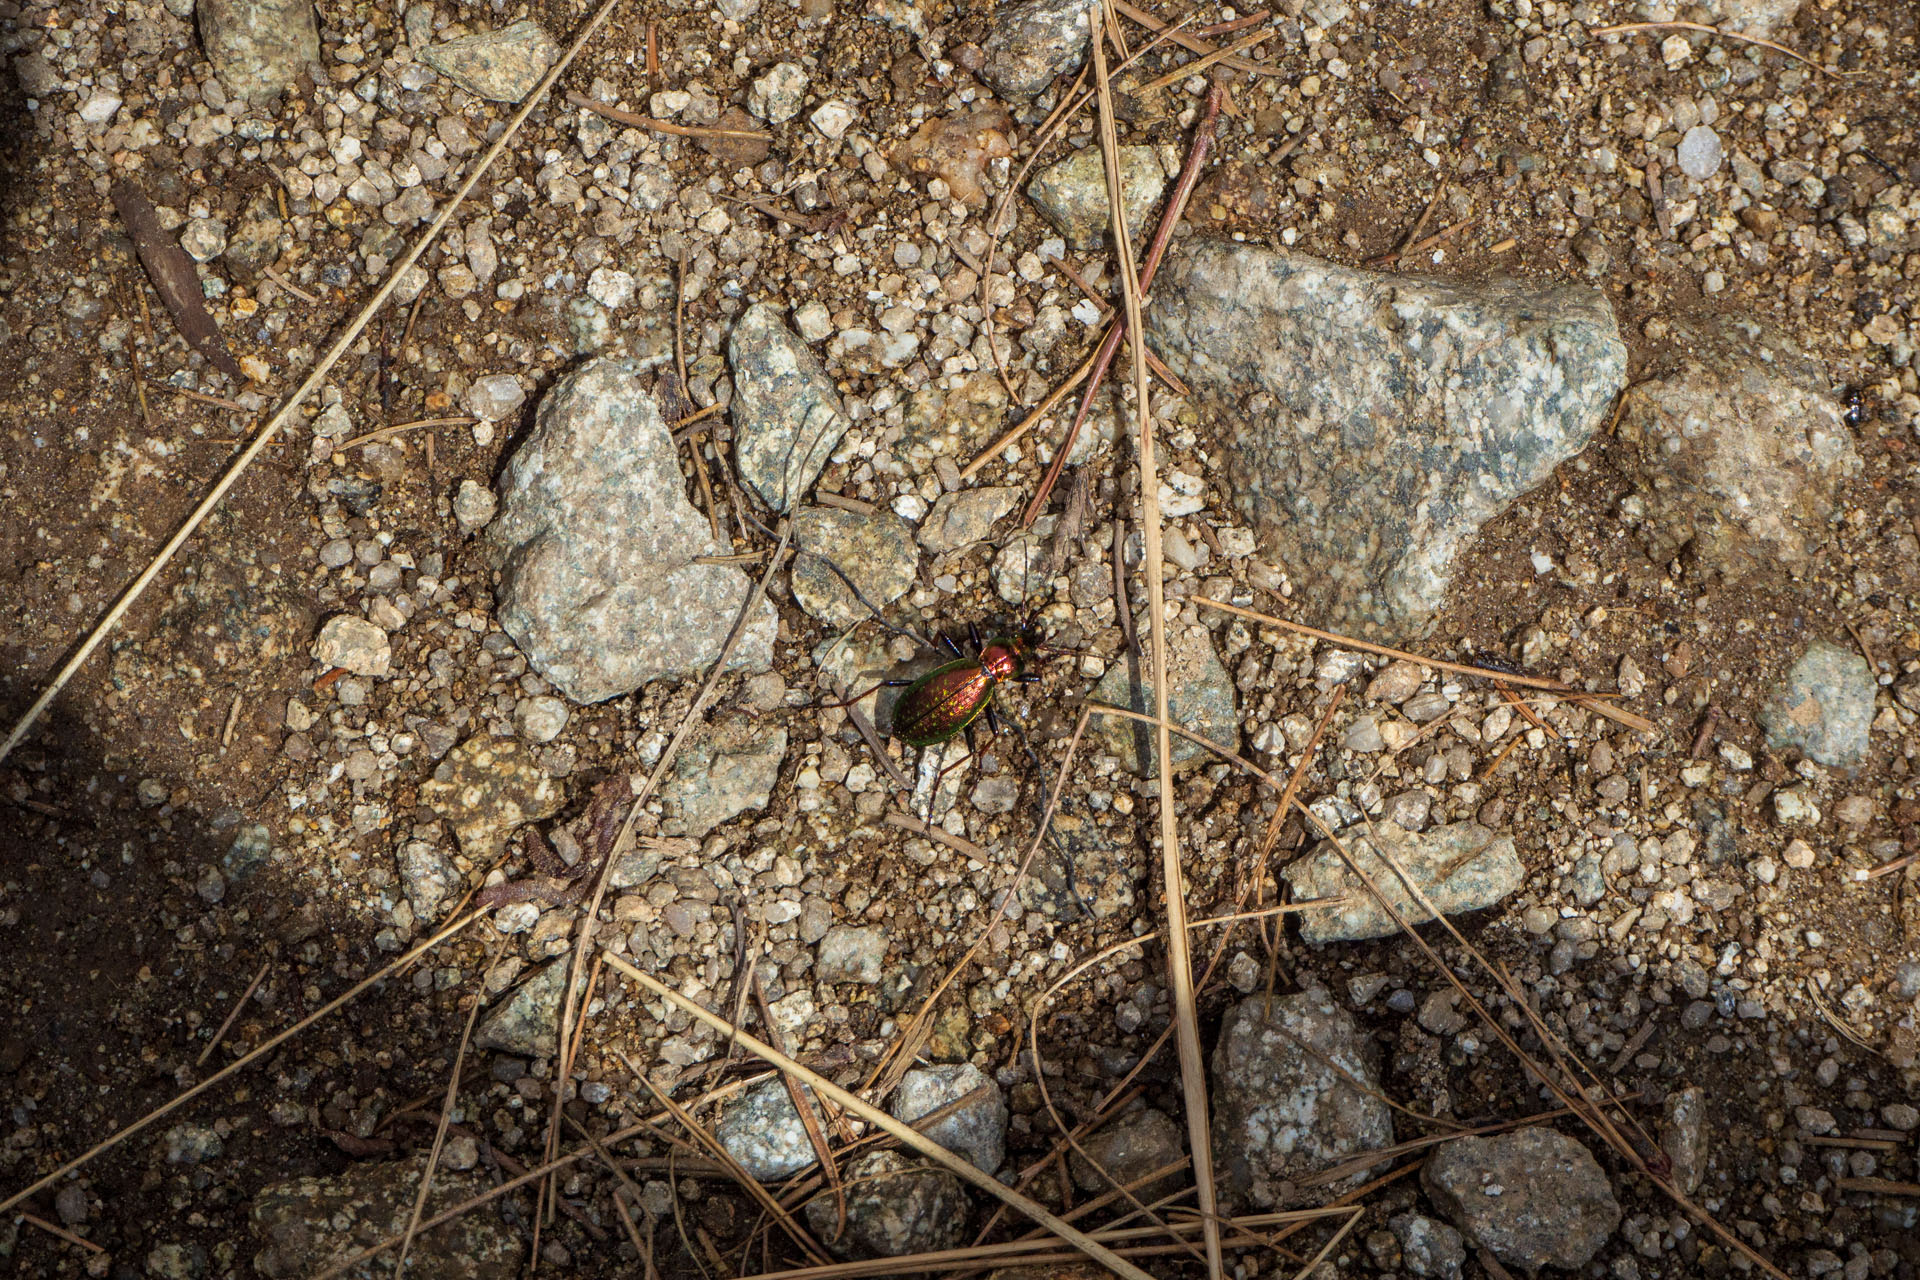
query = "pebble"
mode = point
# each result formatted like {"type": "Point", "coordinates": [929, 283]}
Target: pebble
{"type": "Point", "coordinates": [776, 96]}
{"type": "Point", "coordinates": [473, 506]}
{"type": "Point", "coordinates": [1824, 708]}
{"type": "Point", "coordinates": [787, 416]}
{"type": "Point", "coordinates": [1201, 699]}
{"type": "Point", "coordinates": [524, 1021]}
{"type": "Point", "coordinates": [1033, 43]}
{"type": "Point", "coordinates": [540, 719]}
{"type": "Point", "coordinates": [354, 643]}
{"type": "Point", "coordinates": [1428, 1248]}
{"type": "Point", "coordinates": [1534, 1197]}
{"type": "Point", "coordinates": [721, 773]}
{"type": "Point", "coordinates": [1072, 193]}
{"type": "Point", "coordinates": [832, 119]}
{"type": "Point", "coordinates": [850, 953]}
{"type": "Point", "coordinates": [258, 48]}
{"type": "Point", "coordinates": [494, 397]}
{"type": "Point", "coordinates": [1280, 1111]}
{"type": "Point", "coordinates": [502, 65]}
{"type": "Point", "coordinates": [1699, 153]}
{"type": "Point", "coordinates": [307, 1224]}
{"type": "Point", "coordinates": [428, 877]}
{"type": "Point", "coordinates": [977, 1132]}
{"type": "Point", "coordinates": [896, 1205]}
{"type": "Point", "coordinates": [1683, 1136]}
{"type": "Point", "coordinates": [192, 1144]}
{"type": "Point", "coordinates": [763, 1132]}
{"type": "Point", "coordinates": [1298, 342]}
{"type": "Point", "coordinates": [204, 239]}
{"type": "Point", "coordinates": [595, 545]}
{"type": "Point", "coordinates": [964, 518]}
{"type": "Point", "coordinates": [1127, 1150]}
{"type": "Point", "coordinates": [875, 552]}
{"type": "Point", "coordinates": [487, 788]}
{"type": "Point", "coordinates": [1459, 867]}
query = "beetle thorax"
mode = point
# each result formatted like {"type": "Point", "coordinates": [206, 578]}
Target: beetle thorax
{"type": "Point", "coordinates": [1003, 659]}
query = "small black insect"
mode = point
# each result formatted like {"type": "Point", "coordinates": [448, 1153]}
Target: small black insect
{"type": "Point", "coordinates": [1856, 402]}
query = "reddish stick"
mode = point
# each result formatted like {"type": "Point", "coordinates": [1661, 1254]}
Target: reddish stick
{"type": "Point", "coordinates": [1189, 176]}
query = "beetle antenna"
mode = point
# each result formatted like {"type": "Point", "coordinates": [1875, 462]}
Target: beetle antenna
{"type": "Point", "coordinates": [861, 596]}
{"type": "Point", "coordinates": [1066, 855]}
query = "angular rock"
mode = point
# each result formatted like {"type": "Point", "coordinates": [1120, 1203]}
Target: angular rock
{"type": "Point", "coordinates": [977, 1132]}
{"type": "Point", "coordinates": [1033, 44]}
{"type": "Point", "coordinates": [1428, 1248]}
{"type": "Point", "coordinates": [957, 149]}
{"type": "Point", "coordinates": [786, 413]}
{"type": "Point", "coordinates": [850, 953]}
{"type": "Point", "coordinates": [764, 1133]}
{"type": "Point", "coordinates": [723, 772]}
{"type": "Point", "coordinates": [306, 1226]}
{"type": "Point", "coordinates": [1200, 699]}
{"type": "Point", "coordinates": [1072, 193]}
{"type": "Point", "coordinates": [1824, 709]}
{"type": "Point", "coordinates": [258, 48]}
{"type": "Point", "coordinates": [1129, 1149]}
{"type": "Point", "coordinates": [1534, 1197]}
{"type": "Point", "coordinates": [428, 877]}
{"type": "Point", "coordinates": [875, 551]}
{"type": "Point", "coordinates": [353, 643]}
{"type": "Point", "coordinates": [895, 1205]}
{"type": "Point", "coordinates": [596, 542]}
{"type": "Point", "coordinates": [1750, 17]}
{"type": "Point", "coordinates": [1683, 1136]}
{"type": "Point", "coordinates": [965, 517]}
{"type": "Point", "coordinates": [1281, 1112]}
{"type": "Point", "coordinates": [1382, 419]}
{"type": "Point", "coordinates": [1737, 454]}
{"type": "Point", "coordinates": [503, 65]}
{"type": "Point", "coordinates": [485, 788]}
{"type": "Point", "coordinates": [1459, 867]}
{"type": "Point", "coordinates": [526, 1021]}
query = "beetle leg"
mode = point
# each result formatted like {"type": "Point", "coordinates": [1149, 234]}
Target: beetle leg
{"type": "Point", "coordinates": [895, 684]}
{"type": "Point", "coordinates": [993, 719]}
{"type": "Point", "coordinates": [1027, 677]}
{"type": "Point", "coordinates": [973, 634]}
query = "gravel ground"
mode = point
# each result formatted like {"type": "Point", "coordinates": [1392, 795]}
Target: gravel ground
{"type": "Point", "coordinates": [395, 668]}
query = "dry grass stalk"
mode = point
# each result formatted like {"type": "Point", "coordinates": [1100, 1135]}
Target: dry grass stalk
{"type": "Point", "coordinates": [1193, 1066]}
{"type": "Point", "coordinates": [1629, 27]}
{"type": "Point", "coordinates": [802, 1107]}
{"type": "Point", "coordinates": [1203, 62]}
{"type": "Point", "coordinates": [873, 1115]}
{"type": "Point", "coordinates": [1173, 33]}
{"type": "Point", "coordinates": [440, 1130]}
{"type": "Point", "coordinates": [385, 433]}
{"type": "Point", "coordinates": [264, 437]}
{"type": "Point", "coordinates": [238, 1005]}
{"type": "Point", "coordinates": [168, 1108]}
{"type": "Point", "coordinates": [35, 1220]}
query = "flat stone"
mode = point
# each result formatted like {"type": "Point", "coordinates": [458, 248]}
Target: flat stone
{"type": "Point", "coordinates": [1033, 44]}
{"type": "Point", "coordinates": [1072, 193]}
{"type": "Point", "coordinates": [1824, 708]}
{"type": "Point", "coordinates": [527, 1020]}
{"type": "Point", "coordinates": [765, 1134]}
{"type": "Point", "coordinates": [350, 641]}
{"type": "Point", "coordinates": [1129, 1149]}
{"type": "Point", "coordinates": [1200, 699]}
{"type": "Point", "coordinates": [307, 1226]}
{"type": "Point", "coordinates": [1282, 1112]}
{"type": "Point", "coordinates": [976, 1132]}
{"type": "Point", "coordinates": [502, 65]}
{"type": "Point", "coordinates": [896, 1205]}
{"type": "Point", "coordinates": [1459, 867]}
{"type": "Point", "coordinates": [428, 877]}
{"type": "Point", "coordinates": [258, 48]}
{"type": "Point", "coordinates": [786, 412]}
{"type": "Point", "coordinates": [485, 789]}
{"type": "Point", "coordinates": [596, 545]}
{"type": "Point", "coordinates": [1381, 420]}
{"type": "Point", "coordinates": [965, 517]}
{"type": "Point", "coordinates": [1736, 453]}
{"type": "Point", "coordinates": [851, 953]}
{"type": "Point", "coordinates": [720, 773]}
{"type": "Point", "coordinates": [1683, 1136]}
{"type": "Point", "coordinates": [875, 552]}
{"type": "Point", "coordinates": [1700, 154]}
{"type": "Point", "coordinates": [1534, 1197]}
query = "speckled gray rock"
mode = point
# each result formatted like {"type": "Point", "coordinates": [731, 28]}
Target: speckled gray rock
{"type": "Point", "coordinates": [486, 788]}
{"type": "Point", "coordinates": [876, 552]}
{"type": "Point", "coordinates": [308, 1225]}
{"type": "Point", "coordinates": [1683, 1136]}
{"type": "Point", "coordinates": [1736, 453]}
{"type": "Point", "coordinates": [428, 876]}
{"type": "Point", "coordinates": [1825, 707]}
{"type": "Point", "coordinates": [1033, 43]}
{"type": "Point", "coordinates": [354, 643]}
{"type": "Point", "coordinates": [258, 47]}
{"type": "Point", "coordinates": [525, 1021]}
{"type": "Point", "coordinates": [851, 953]}
{"type": "Point", "coordinates": [762, 1131]}
{"type": "Point", "coordinates": [976, 1132]}
{"type": "Point", "coordinates": [1750, 17]}
{"type": "Point", "coordinates": [965, 517]}
{"type": "Point", "coordinates": [786, 414]}
{"type": "Point", "coordinates": [1281, 1112]}
{"type": "Point", "coordinates": [1535, 1197]}
{"type": "Point", "coordinates": [727, 770]}
{"type": "Point", "coordinates": [595, 543]}
{"type": "Point", "coordinates": [895, 1205]}
{"type": "Point", "coordinates": [503, 65]}
{"type": "Point", "coordinates": [1129, 1149]}
{"type": "Point", "coordinates": [1381, 419]}
{"type": "Point", "coordinates": [1428, 1248]}
{"type": "Point", "coordinates": [1200, 699]}
{"type": "Point", "coordinates": [1072, 193]}
{"type": "Point", "coordinates": [1459, 867]}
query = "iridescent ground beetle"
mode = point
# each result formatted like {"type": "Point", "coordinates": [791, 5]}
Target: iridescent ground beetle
{"type": "Point", "coordinates": [943, 702]}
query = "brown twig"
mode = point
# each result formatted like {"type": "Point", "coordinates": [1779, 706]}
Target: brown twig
{"type": "Point", "coordinates": [238, 1005]}
{"type": "Point", "coordinates": [1202, 63]}
{"type": "Point", "coordinates": [639, 121]}
{"type": "Point", "coordinates": [440, 1130]}
{"type": "Point", "coordinates": [1151, 23]}
{"type": "Point", "coordinates": [1123, 249]}
{"type": "Point", "coordinates": [906, 822]}
{"type": "Point", "coordinates": [382, 433]}
{"type": "Point", "coordinates": [35, 1220]}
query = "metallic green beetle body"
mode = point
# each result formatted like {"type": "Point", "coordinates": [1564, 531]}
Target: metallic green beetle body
{"type": "Point", "coordinates": [943, 702]}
